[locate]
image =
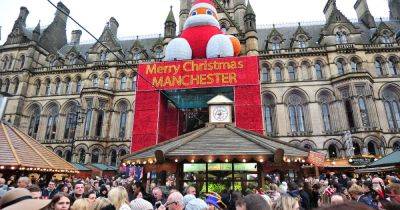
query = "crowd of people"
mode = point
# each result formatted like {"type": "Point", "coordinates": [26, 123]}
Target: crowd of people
{"type": "Point", "coordinates": [325, 193]}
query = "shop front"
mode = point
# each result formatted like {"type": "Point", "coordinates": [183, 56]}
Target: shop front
{"type": "Point", "coordinates": [218, 157]}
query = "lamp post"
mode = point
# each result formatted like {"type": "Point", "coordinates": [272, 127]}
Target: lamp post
{"type": "Point", "coordinates": [78, 119]}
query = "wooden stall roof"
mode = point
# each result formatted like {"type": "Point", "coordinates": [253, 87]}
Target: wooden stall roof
{"type": "Point", "coordinates": [218, 140]}
{"type": "Point", "coordinates": [22, 152]}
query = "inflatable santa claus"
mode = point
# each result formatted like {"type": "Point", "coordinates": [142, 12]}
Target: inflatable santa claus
{"type": "Point", "coordinates": [202, 36]}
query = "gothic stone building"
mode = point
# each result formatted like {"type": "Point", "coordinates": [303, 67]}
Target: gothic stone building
{"type": "Point", "coordinates": [317, 80]}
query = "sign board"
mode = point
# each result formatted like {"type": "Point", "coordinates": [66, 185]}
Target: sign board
{"type": "Point", "coordinates": [201, 73]}
{"type": "Point", "coordinates": [316, 158]}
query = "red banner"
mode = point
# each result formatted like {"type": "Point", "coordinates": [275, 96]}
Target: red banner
{"type": "Point", "coordinates": [200, 73]}
{"type": "Point", "coordinates": [316, 158]}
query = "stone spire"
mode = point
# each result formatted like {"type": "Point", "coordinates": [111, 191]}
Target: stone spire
{"type": "Point", "coordinates": [250, 31]}
{"type": "Point", "coordinates": [170, 25]}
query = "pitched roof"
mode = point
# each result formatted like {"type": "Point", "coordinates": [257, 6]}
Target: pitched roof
{"type": "Point", "coordinates": [21, 151]}
{"type": "Point", "coordinates": [389, 160]}
{"type": "Point", "coordinates": [218, 140]}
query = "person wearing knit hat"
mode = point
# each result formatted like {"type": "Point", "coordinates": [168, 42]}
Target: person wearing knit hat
{"type": "Point", "coordinates": [196, 204]}
{"type": "Point", "coordinates": [140, 204]}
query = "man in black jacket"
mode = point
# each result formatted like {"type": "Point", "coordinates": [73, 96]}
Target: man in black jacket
{"type": "Point", "coordinates": [50, 191]}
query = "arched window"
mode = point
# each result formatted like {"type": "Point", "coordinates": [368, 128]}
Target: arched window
{"type": "Point", "coordinates": [133, 84]}
{"type": "Point", "coordinates": [59, 153]}
{"type": "Point", "coordinates": [332, 151]}
{"type": "Point", "coordinates": [278, 73]}
{"type": "Point", "coordinates": [159, 52]}
{"type": "Point", "coordinates": [48, 87]}
{"type": "Point", "coordinates": [341, 37]}
{"type": "Point", "coordinates": [393, 66]}
{"type": "Point", "coordinates": [340, 66]}
{"type": "Point", "coordinates": [396, 146]}
{"type": "Point", "coordinates": [318, 70]}
{"type": "Point", "coordinates": [391, 101]}
{"type": "Point", "coordinates": [95, 81]}
{"type": "Point", "coordinates": [269, 113]}
{"type": "Point", "coordinates": [7, 85]}
{"type": "Point", "coordinates": [58, 86]}
{"type": "Point", "coordinates": [106, 81]}
{"type": "Point", "coordinates": [78, 84]}
{"type": "Point", "coordinates": [22, 61]}
{"type": "Point", "coordinates": [37, 87]}
{"type": "Point", "coordinates": [68, 155]}
{"type": "Point", "coordinates": [302, 42]}
{"type": "Point", "coordinates": [276, 43]}
{"type": "Point", "coordinates": [95, 156]}
{"type": "Point", "coordinates": [88, 120]}
{"type": "Point", "coordinates": [296, 108]}
{"type": "Point", "coordinates": [355, 65]}
{"type": "Point", "coordinates": [122, 85]}
{"type": "Point", "coordinates": [16, 85]}
{"type": "Point", "coordinates": [34, 122]}
{"type": "Point", "coordinates": [137, 54]}
{"type": "Point", "coordinates": [265, 77]}
{"type": "Point", "coordinates": [357, 148]}
{"type": "Point", "coordinates": [123, 108]}
{"type": "Point", "coordinates": [364, 112]}
{"type": "Point", "coordinates": [326, 116]}
{"type": "Point", "coordinates": [372, 148]}
{"type": "Point", "coordinates": [122, 153]}
{"type": "Point", "coordinates": [292, 72]}
{"type": "Point", "coordinates": [113, 158]}
{"type": "Point", "coordinates": [68, 86]}
{"type": "Point", "coordinates": [379, 67]}
{"type": "Point", "coordinates": [385, 38]}
{"type": "Point", "coordinates": [5, 62]}
{"type": "Point", "coordinates": [71, 122]}
{"type": "Point", "coordinates": [82, 156]}
{"type": "Point", "coordinates": [11, 62]}
{"type": "Point", "coordinates": [103, 56]}
{"type": "Point", "coordinates": [100, 119]}
{"type": "Point", "coordinates": [52, 121]}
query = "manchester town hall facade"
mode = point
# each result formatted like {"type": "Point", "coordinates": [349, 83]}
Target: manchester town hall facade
{"type": "Point", "coordinates": [318, 81]}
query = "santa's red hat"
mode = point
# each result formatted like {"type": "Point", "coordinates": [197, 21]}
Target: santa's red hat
{"type": "Point", "coordinates": [209, 4]}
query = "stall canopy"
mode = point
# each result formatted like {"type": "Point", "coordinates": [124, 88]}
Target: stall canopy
{"type": "Point", "coordinates": [216, 142]}
{"type": "Point", "coordinates": [19, 151]}
{"type": "Point", "coordinates": [392, 159]}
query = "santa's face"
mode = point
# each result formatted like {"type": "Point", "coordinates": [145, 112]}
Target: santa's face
{"type": "Point", "coordinates": [200, 16]}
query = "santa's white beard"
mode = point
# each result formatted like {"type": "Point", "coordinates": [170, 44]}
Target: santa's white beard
{"type": "Point", "coordinates": [201, 20]}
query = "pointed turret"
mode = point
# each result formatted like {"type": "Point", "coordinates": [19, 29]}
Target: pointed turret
{"type": "Point", "coordinates": [170, 25]}
{"type": "Point", "coordinates": [250, 30]}
{"type": "Point", "coordinates": [240, 10]}
{"type": "Point", "coordinates": [250, 18]}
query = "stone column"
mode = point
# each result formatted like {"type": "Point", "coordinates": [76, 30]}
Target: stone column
{"type": "Point", "coordinates": [316, 118]}
{"type": "Point", "coordinates": [283, 121]}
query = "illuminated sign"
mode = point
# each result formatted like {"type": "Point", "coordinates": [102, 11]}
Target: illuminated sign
{"type": "Point", "coordinates": [199, 73]}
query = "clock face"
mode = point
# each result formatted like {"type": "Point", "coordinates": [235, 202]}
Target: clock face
{"type": "Point", "coordinates": [220, 113]}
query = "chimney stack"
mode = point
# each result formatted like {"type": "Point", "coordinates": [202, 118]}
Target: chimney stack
{"type": "Point", "coordinates": [76, 37]}
{"type": "Point", "coordinates": [23, 14]}
{"type": "Point", "coordinates": [329, 8]}
{"type": "Point", "coordinates": [63, 14]}
{"type": "Point", "coordinates": [113, 25]}
{"type": "Point", "coordinates": [363, 14]}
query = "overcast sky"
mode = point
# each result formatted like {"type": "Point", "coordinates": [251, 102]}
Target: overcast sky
{"type": "Point", "coordinates": [144, 17]}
